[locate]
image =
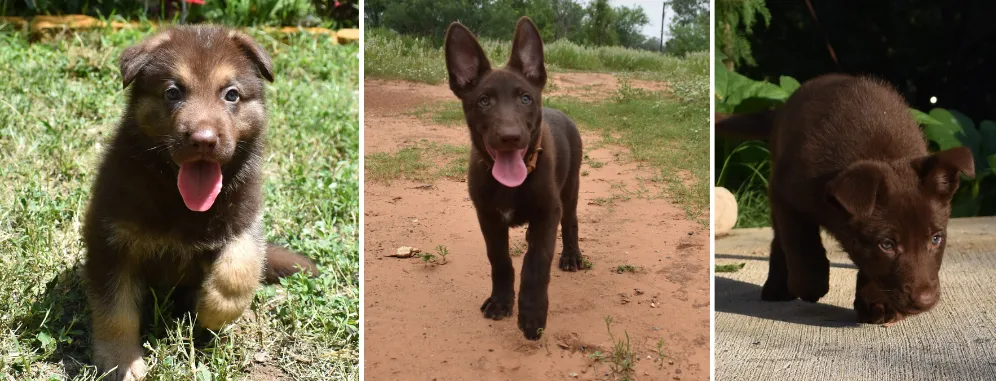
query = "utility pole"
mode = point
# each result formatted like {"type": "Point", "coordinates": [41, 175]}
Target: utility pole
{"type": "Point", "coordinates": [663, 13]}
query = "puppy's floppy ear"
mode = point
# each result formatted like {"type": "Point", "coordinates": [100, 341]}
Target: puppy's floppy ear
{"type": "Point", "coordinates": [254, 52]}
{"type": "Point", "coordinates": [940, 172]}
{"type": "Point", "coordinates": [135, 57]}
{"type": "Point", "coordinates": [465, 59]}
{"type": "Point", "coordinates": [856, 188]}
{"type": "Point", "coordinates": [527, 52]}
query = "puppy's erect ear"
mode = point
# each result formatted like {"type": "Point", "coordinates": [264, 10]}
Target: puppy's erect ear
{"type": "Point", "coordinates": [135, 57]}
{"type": "Point", "coordinates": [255, 52]}
{"type": "Point", "coordinates": [527, 52]}
{"type": "Point", "coordinates": [856, 188]}
{"type": "Point", "coordinates": [940, 172]}
{"type": "Point", "coordinates": [465, 59]}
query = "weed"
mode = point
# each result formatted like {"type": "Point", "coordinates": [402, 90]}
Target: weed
{"type": "Point", "coordinates": [439, 258]}
{"type": "Point", "coordinates": [626, 269]}
{"type": "Point", "coordinates": [621, 360]}
{"type": "Point", "coordinates": [730, 268]}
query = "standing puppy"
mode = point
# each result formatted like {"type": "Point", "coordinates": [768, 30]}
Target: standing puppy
{"type": "Point", "coordinates": [524, 164]}
{"type": "Point", "coordinates": [177, 203]}
{"type": "Point", "coordinates": [848, 157]}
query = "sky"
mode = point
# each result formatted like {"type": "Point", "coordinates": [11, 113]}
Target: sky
{"type": "Point", "coordinates": [653, 10]}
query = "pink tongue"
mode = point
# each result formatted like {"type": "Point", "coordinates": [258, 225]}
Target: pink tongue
{"type": "Point", "coordinates": [199, 183]}
{"type": "Point", "coordinates": [510, 168]}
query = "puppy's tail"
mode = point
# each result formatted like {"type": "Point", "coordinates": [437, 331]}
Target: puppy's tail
{"type": "Point", "coordinates": [756, 125]}
{"type": "Point", "coordinates": [281, 262]}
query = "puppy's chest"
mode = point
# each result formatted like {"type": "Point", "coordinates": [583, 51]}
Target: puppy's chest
{"type": "Point", "coordinates": [512, 208]}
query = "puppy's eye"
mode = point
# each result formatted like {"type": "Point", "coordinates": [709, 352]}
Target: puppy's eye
{"type": "Point", "coordinates": [937, 239]}
{"type": "Point", "coordinates": [484, 101]}
{"type": "Point", "coordinates": [526, 99]}
{"type": "Point", "coordinates": [887, 245]}
{"type": "Point", "coordinates": [232, 95]}
{"type": "Point", "coordinates": [173, 93]}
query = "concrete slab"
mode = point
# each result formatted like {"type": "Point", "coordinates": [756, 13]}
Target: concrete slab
{"type": "Point", "coordinates": [758, 340]}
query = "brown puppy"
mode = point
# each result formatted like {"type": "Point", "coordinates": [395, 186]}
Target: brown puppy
{"type": "Point", "coordinates": [177, 203]}
{"type": "Point", "coordinates": [847, 156]}
{"type": "Point", "coordinates": [524, 168]}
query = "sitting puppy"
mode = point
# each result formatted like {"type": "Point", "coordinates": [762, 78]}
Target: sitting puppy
{"type": "Point", "coordinates": [177, 203]}
{"type": "Point", "coordinates": [524, 168]}
{"type": "Point", "coordinates": [848, 156]}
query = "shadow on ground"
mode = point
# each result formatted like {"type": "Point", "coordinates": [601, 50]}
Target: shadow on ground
{"type": "Point", "coordinates": [742, 298]}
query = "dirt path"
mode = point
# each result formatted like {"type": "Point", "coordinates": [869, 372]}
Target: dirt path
{"type": "Point", "coordinates": [423, 322]}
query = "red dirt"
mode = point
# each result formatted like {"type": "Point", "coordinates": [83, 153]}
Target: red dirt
{"type": "Point", "coordinates": [424, 323]}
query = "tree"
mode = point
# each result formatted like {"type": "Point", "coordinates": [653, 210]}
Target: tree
{"type": "Point", "coordinates": [687, 38]}
{"type": "Point", "coordinates": [598, 23]}
{"type": "Point", "coordinates": [628, 24]}
{"type": "Point", "coordinates": [734, 22]}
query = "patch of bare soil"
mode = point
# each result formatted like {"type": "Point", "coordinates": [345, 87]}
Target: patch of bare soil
{"type": "Point", "coordinates": [422, 322]}
{"type": "Point", "coordinates": [595, 86]}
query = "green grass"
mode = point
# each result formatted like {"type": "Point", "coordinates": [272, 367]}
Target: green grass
{"type": "Point", "coordinates": [668, 134]}
{"type": "Point", "coordinates": [60, 99]}
{"type": "Point", "coordinates": [418, 162]}
{"type": "Point", "coordinates": [730, 268]}
{"type": "Point", "coordinates": [393, 56]}
{"type": "Point", "coordinates": [621, 360]}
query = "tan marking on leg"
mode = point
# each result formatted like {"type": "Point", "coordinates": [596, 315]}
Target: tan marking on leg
{"type": "Point", "coordinates": [231, 281]}
{"type": "Point", "coordinates": [116, 331]}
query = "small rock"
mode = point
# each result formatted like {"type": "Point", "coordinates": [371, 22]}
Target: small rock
{"type": "Point", "coordinates": [405, 252]}
{"type": "Point", "coordinates": [573, 375]}
{"type": "Point", "coordinates": [638, 291]}
{"type": "Point", "coordinates": [261, 357]}
{"type": "Point", "coordinates": [670, 362]}
{"type": "Point", "coordinates": [691, 233]}
{"type": "Point", "coordinates": [653, 305]}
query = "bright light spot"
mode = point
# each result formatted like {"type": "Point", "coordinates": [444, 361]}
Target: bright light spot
{"type": "Point", "coordinates": [933, 100]}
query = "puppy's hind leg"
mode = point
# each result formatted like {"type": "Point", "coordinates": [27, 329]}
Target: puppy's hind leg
{"type": "Point", "coordinates": [776, 288]}
{"type": "Point", "coordinates": [231, 281]}
{"type": "Point", "coordinates": [570, 258]}
{"type": "Point", "coordinates": [115, 297]}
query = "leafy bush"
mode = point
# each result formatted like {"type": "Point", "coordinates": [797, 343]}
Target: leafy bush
{"type": "Point", "coordinates": [390, 55]}
{"type": "Point", "coordinates": [743, 167]}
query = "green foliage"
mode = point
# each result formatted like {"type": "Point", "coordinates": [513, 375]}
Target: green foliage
{"type": "Point", "coordinates": [390, 55]}
{"type": "Point", "coordinates": [597, 24]}
{"type": "Point", "coordinates": [689, 37]}
{"type": "Point", "coordinates": [255, 12]}
{"type": "Point", "coordinates": [745, 166]}
{"type": "Point", "coordinates": [730, 268]}
{"type": "Point", "coordinates": [734, 20]}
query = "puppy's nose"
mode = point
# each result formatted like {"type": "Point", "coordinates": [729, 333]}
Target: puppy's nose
{"type": "Point", "coordinates": [203, 141]}
{"type": "Point", "coordinates": [510, 138]}
{"type": "Point", "coordinates": [926, 298]}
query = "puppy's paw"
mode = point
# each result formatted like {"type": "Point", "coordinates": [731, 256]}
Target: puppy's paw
{"type": "Point", "coordinates": [494, 308]}
{"type": "Point", "coordinates": [532, 324]}
{"type": "Point", "coordinates": [812, 283]}
{"type": "Point", "coordinates": [571, 261]}
{"type": "Point", "coordinates": [120, 365]}
{"type": "Point", "coordinates": [776, 291]}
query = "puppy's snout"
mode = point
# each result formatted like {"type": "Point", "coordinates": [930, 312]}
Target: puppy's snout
{"type": "Point", "coordinates": [510, 138]}
{"type": "Point", "coordinates": [926, 298]}
{"type": "Point", "coordinates": [203, 141]}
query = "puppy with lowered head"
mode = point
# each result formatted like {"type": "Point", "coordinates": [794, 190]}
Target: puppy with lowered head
{"type": "Point", "coordinates": [177, 203]}
{"type": "Point", "coordinates": [848, 157]}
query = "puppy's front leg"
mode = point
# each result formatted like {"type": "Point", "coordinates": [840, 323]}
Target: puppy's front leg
{"type": "Point", "coordinates": [115, 296]}
{"type": "Point", "coordinates": [533, 300]}
{"type": "Point", "coordinates": [231, 281]}
{"type": "Point", "coordinates": [499, 305]}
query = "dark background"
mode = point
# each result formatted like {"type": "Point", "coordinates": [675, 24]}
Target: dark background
{"type": "Point", "coordinates": [924, 48]}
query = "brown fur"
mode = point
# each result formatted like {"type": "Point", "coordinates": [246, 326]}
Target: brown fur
{"type": "Point", "coordinates": [138, 232]}
{"type": "Point", "coordinates": [847, 156]}
{"type": "Point", "coordinates": [550, 192]}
